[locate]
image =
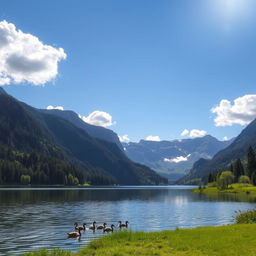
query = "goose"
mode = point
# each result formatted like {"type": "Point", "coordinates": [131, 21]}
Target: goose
{"type": "Point", "coordinates": [92, 227]}
{"type": "Point", "coordinates": [123, 225]}
{"type": "Point", "coordinates": [74, 234]}
{"type": "Point", "coordinates": [102, 226]}
{"type": "Point", "coordinates": [109, 229]}
{"type": "Point", "coordinates": [80, 227]}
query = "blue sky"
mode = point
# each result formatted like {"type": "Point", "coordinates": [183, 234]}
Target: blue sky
{"type": "Point", "coordinates": [157, 67]}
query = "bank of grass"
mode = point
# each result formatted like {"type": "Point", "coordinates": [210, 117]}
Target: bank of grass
{"type": "Point", "coordinates": [212, 241]}
{"type": "Point", "coordinates": [234, 188]}
{"type": "Point", "coordinates": [247, 217]}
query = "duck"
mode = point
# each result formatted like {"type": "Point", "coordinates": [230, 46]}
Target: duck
{"type": "Point", "coordinates": [109, 229]}
{"type": "Point", "coordinates": [123, 225]}
{"type": "Point", "coordinates": [102, 226]}
{"type": "Point", "coordinates": [74, 234]}
{"type": "Point", "coordinates": [92, 226]}
{"type": "Point", "coordinates": [80, 227]}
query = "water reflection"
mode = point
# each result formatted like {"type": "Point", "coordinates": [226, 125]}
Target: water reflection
{"type": "Point", "coordinates": [41, 218]}
{"type": "Point", "coordinates": [231, 197]}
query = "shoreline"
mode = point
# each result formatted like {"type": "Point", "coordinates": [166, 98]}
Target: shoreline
{"type": "Point", "coordinates": [236, 239]}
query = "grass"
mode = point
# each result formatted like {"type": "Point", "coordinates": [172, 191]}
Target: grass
{"type": "Point", "coordinates": [232, 240]}
{"type": "Point", "coordinates": [234, 188]}
{"type": "Point", "coordinates": [45, 252]}
{"type": "Point", "coordinates": [247, 217]}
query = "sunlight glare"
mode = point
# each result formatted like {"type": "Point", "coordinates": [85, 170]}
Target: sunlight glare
{"type": "Point", "coordinates": [230, 9]}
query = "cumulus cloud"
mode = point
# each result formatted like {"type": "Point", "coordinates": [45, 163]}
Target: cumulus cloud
{"type": "Point", "coordinates": [125, 138]}
{"type": "Point", "coordinates": [242, 111]}
{"type": "Point", "coordinates": [24, 58]}
{"type": "Point", "coordinates": [193, 133]}
{"type": "Point", "coordinates": [50, 107]}
{"type": "Point", "coordinates": [98, 118]}
{"type": "Point", "coordinates": [177, 159]}
{"type": "Point", "coordinates": [153, 138]}
{"type": "Point", "coordinates": [184, 132]}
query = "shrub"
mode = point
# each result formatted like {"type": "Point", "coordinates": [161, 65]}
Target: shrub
{"type": "Point", "coordinates": [244, 179]}
{"type": "Point", "coordinates": [25, 179]}
{"type": "Point", "coordinates": [247, 217]}
{"type": "Point", "coordinates": [212, 184]}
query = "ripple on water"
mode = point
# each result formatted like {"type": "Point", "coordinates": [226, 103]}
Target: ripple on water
{"type": "Point", "coordinates": [32, 219]}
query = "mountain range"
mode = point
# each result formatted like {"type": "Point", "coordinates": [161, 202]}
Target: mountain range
{"type": "Point", "coordinates": [174, 159]}
{"type": "Point", "coordinates": [29, 138]}
{"type": "Point", "coordinates": [222, 160]}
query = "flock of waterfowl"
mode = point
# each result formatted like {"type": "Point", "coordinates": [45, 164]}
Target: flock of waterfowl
{"type": "Point", "coordinates": [93, 227]}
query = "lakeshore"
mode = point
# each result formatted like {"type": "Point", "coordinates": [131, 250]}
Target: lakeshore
{"type": "Point", "coordinates": [222, 241]}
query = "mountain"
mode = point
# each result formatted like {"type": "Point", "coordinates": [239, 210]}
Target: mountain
{"type": "Point", "coordinates": [48, 149]}
{"type": "Point", "coordinates": [222, 160]}
{"type": "Point", "coordinates": [93, 130]}
{"type": "Point", "coordinates": [173, 159]}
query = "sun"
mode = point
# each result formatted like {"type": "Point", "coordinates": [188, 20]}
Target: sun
{"type": "Point", "coordinates": [231, 10]}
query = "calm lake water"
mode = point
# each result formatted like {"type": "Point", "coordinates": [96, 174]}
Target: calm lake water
{"type": "Point", "coordinates": [37, 217]}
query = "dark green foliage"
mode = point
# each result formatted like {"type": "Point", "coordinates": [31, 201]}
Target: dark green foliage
{"type": "Point", "coordinates": [238, 169]}
{"type": "Point", "coordinates": [222, 160]}
{"type": "Point", "coordinates": [25, 179]}
{"type": "Point", "coordinates": [231, 168]}
{"type": "Point", "coordinates": [251, 162]}
{"type": "Point", "coordinates": [51, 150]}
{"type": "Point", "coordinates": [35, 168]}
{"type": "Point", "coordinates": [211, 178]}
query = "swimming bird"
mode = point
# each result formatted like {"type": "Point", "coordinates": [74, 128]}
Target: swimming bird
{"type": "Point", "coordinates": [74, 234]}
{"type": "Point", "coordinates": [102, 226]}
{"type": "Point", "coordinates": [92, 227]}
{"type": "Point", "coordinates": [123, 225]}
{"type": "Point", "coordinates": [109, 229]}
{"type": "Point", "coordinates": [80, 227]}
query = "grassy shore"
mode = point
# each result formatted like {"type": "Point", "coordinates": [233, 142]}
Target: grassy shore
{"type": "Point", "coordinates": [212, 241]}
{"type": "Point", "coordinates": [234, 188]}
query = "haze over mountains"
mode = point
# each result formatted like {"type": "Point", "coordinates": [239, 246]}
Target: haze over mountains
{"type": "Point", "coordinates": [174, 159]}
{"type": "Point", "coordinates": [25, 130]}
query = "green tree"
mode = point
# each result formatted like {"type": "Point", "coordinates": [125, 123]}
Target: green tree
{"type": "Point", "coordinates": [244, 179]}
{"type": "Point", "coordinates": [226, 178]}
{"type": "Point", "coordinates": [238, 169]}
{"type": "Point", "coordinates": [25, 179]}
{"type": "Point", "coordinates": [210, 178]}
{"type": "Point", "coordinates": [251, 162]}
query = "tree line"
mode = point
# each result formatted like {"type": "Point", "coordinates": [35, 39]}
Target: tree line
{"type": "Point", "coordinates": [39, 169]}
{"type": "Point", "coordinates": [239, 172]}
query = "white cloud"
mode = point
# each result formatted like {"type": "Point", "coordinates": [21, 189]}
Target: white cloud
{"type": "Point", "coordinates": [98, 118]}
{"type": "Point", "coordinates": [24, 58]}
{"type": "Point", "coordinates": [185, 132]}
{"type": "Point", "coordinates": [193, 133]}
{"type": "Point", "coordinates": [50, 107]}
{"type": "Point", "coordinates": [242, 111]}
{"type": "Point", "coordinates": [125, 138]}
{"type": "Point", "coordinates": [177, 159]}
{"type": "Point", "coordinates": [153, 138]}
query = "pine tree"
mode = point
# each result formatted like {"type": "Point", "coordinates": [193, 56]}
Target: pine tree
{"type": "Point", "coordinates": [238, 169]}
{"type": "Point", "coordinates": [232, 168]}
{"type": "Point", "coordinates": [210, 178]}
{"type": "Point", "coordinates": [251, 162]}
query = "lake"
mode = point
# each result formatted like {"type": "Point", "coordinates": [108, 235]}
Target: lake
{"type": "Point", "coordinates": [32, 218]}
